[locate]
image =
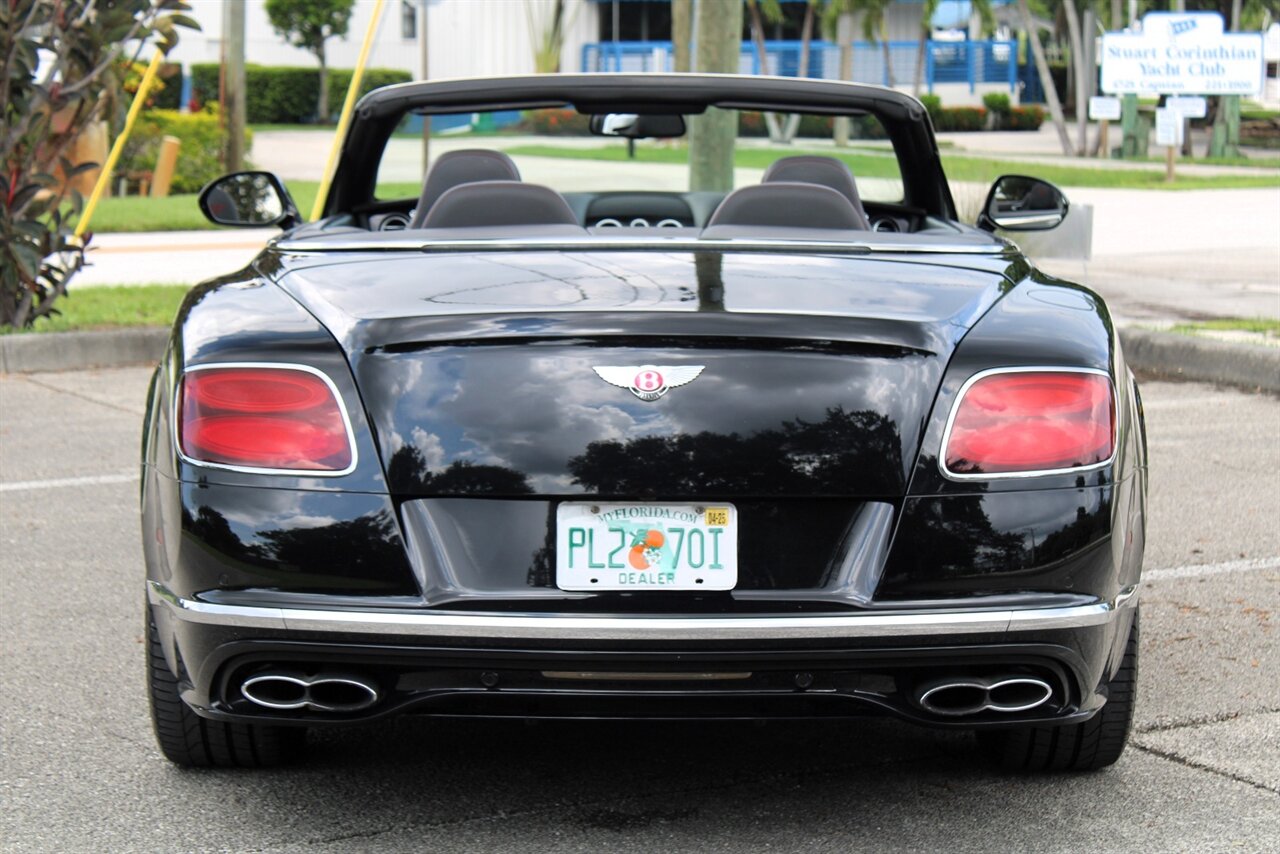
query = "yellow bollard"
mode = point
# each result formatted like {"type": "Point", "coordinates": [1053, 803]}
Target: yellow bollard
{"type": "Point", "coordinates": [105, 177]}
{"type": "Point", "coordinates": [348, 105]}
{"type": "Point", "coordinates": [166, 162]}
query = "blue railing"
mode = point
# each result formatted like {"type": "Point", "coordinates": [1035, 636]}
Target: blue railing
{"type": "Point", "coordinates": [970, 62]}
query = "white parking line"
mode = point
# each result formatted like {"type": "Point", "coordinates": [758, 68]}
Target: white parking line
{"type": "Point", "coordinates": [57, 482]}
{"type": "Point", "coordinates": [1203, 569]}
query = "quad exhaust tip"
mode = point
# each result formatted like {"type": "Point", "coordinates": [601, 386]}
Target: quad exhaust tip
{"type": "Point", "coordinates": [971, 695]}
{"type": "Point", "coordinates": [287, 690]}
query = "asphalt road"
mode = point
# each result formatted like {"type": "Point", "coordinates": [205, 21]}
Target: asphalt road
{"type": "Point", "coordinates": [80, 772]}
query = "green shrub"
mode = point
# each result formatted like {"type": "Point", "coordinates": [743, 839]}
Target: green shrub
{"type": "Point", "coordinates": [933, 105]}
{"type": "Point", "coordinates": [996, 102]}
{"type": "Point", "coordinates": [552, 122]}
{"type": "Point", "coordinates": [960, 119]}
{"type": "Point", "coordinates": [282, 94]}
{"type": "Point", "coordinates": [752, 123]}
{"type": "Point", "coordinates": [1025, 118]}
{"type": "Point", "coordinates": [199, 158]}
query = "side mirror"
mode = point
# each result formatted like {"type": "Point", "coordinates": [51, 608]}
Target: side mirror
{"type": "Point", "coordinates": [1019, 203]}
{"type": "Point", "coordinates": [248, 200]}
{"type": "Point", "coordinates": [632, 126]}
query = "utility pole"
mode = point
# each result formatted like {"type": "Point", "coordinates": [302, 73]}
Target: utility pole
{"type": "Point", "coordinates": [234, 84]}
{"type": "Point", "coordinates": [719, 28]}
{"type": "Point", "coordinates": [422, 56]}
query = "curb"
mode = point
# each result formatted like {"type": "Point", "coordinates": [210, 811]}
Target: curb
{"type": "Point", "coordinates": [1164, 354]}
{"type": "Point", "coordinates": [67, 351]}
{"type": "Point", "coordinates": [1168, 354]}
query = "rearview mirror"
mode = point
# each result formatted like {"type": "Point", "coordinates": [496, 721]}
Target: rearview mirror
{"type": "Point", "coordinates": [248, 200]}
{"type": "Point", "coordinates": [1020, 203]}
{"type": "Point", "coordinates": [632, 126]}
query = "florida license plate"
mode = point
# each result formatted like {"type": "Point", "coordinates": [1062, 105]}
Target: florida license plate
{"type": "Point", "coordinates": [646, 547]}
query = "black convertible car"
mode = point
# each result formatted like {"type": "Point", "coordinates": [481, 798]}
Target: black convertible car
{"type": "Point", "coordinates": [471, 445]}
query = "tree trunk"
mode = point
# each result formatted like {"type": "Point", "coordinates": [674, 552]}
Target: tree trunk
{"type": "Point", "coordinates": [921, 47]}
{"type": "Point", "coordinates": [1082, 86]}
{"type": "Point", "coordinates": [322, 108]}
{"type": "Point", "coordinates": [1116, 24]}
{"type": "Point", "coordinates": [713, 133]}
{"type": "Point", "coordinates": [1046, 79]}
{"type": "Point", "coordinates": [888, 55]}
{"type": "Point", "coordinates": [806, 38]}
{"type": "Point", "coordinates": [757, 37]}
{"type": "Point", "coordinates": [681, 34]}
{"type": "Point", "coordinates": [844, 34]}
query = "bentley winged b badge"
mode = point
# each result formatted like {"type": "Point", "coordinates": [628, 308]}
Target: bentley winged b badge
{"type": "Point", "coordinates": [648, 382]}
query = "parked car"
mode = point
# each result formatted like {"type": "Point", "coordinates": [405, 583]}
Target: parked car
{"type": "Point", "coordinates": [812, 447]}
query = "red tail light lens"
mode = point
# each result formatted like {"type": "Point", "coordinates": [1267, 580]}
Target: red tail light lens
{"type": "Point", "coordinates": [1031, 421]}
{"type": "Point", "coordinates": [263, 418]}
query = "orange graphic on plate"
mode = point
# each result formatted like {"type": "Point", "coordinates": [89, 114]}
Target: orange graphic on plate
{"type": "Point", "coordinates": [637, 557]}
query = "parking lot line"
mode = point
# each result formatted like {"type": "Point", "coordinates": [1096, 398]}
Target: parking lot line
{"type": "Point", "coordinates": [1203, 569]}
{"type": "Point", "coordinates": [59, 482]}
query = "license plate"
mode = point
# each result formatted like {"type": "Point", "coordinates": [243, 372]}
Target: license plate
{"type": "Point", "coordinates": [646, 546]}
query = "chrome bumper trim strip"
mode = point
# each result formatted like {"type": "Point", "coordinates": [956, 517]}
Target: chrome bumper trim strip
{"type": "Point", "coordinates": [438, 624]}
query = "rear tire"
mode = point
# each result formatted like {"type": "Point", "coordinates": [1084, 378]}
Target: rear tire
{"type": "Point", "coordinates": [187, 739]}
{"type": "Point", "coordinates": [1088, 746]}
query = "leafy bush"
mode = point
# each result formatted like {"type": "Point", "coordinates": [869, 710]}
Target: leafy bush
{"type": "Point", "coordinates": [960, 119]}
{"type": "Point", "coordinates": [63, 66]}
{"type": "Point", "coordinates": [1025, 118]}
{"type": "Point", "coordinates": [551, 122]}
{"type": "Point", "coordinates": [932, 105]}
{"type": "Point", "coordinates": [996, 102]}
{"type": "Point", "coordinates": [812, 127]}
{"type": "Point", "coordinates": [283, 94]}
{"type": "Point", "coordinates": [199, 158]}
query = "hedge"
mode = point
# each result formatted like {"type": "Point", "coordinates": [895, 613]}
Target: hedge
{"type": "Point", "coordinates": [283, 94]}
{"type": "Point", "coordinates": [752, 123]}
{"type": "Point", "coordinates": [199, 158]}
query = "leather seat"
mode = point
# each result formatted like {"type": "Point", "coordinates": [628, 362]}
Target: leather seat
{"type": "Point", "coordinates": [499, 203]}
{"type": "Point", "coordinates": [817, 169]}
{"type": "Point", "coordinates": [788, 205]}
{"type": "Point", "coordinates": [455, 168]}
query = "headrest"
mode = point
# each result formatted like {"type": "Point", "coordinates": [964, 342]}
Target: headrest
{"type": "Point", "coordinates": [454, 168]}
{"type": "Point", "coordinates": [788, 205]}
{"type": "Point", "coordinates": [816, 169]}
{"type": "Point", "coordinates": [486, 203]}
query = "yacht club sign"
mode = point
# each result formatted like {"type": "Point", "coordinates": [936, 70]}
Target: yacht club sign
{"type": "Point", "coordinates": [1182, 54]}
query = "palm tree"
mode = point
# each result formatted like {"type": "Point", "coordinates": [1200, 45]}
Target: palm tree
{"type": "Point", "coordinates": [927, 10]}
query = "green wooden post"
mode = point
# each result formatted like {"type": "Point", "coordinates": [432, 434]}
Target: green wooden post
{"type": "Point", "coordinates": [1130, 124]}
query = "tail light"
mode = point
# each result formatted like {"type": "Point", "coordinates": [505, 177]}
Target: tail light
{"type": "Point", "coordinates": [1034, 421]}
{"type": "Point", "coordinates": [265, 418]}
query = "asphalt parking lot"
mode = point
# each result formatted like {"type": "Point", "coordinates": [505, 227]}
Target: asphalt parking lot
{"type": "Point", "coordinates": [80, 771]}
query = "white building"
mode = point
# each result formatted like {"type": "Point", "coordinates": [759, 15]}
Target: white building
{"type": "Point", "coordinates": [466, 38]}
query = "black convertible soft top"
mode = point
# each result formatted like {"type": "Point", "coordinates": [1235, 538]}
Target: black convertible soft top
{"type": "Point", "coordinates": [903, 117]}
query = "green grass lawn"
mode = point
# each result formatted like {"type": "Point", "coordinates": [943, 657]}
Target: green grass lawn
{"type": "Point", "coordinates": [959, 168]}
{"type": "Point", "coordinates": [181, 213]}
{"type": "Point", "coordinates": [111, 307]}
{"type": "Point", "coordinates": [1259, 325]}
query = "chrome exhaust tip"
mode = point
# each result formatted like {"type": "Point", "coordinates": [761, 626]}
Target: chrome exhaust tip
{"type": "Point", "coordinates": [962, 696]}
{"type": "Point", "coordinates": [287, 690]}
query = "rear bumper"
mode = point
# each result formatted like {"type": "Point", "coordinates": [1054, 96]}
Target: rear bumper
{"type": "Point", "coordinates": [591, 628]}
{"type": "Point", "coordinates": [561, 666]}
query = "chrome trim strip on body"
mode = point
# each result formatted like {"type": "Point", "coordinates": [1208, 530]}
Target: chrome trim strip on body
{"type": "Point", "coordinates": [284, 366]}
{"type": "Point", "coordinates": [587, 244]}
{"type": "Point", "coordinates": [1049, 369]}
{"type": "Point", "coordinates": [574, 628]}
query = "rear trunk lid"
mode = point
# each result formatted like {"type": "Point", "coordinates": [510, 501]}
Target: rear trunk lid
{"type": "Point", "coordinates": [814, 374]}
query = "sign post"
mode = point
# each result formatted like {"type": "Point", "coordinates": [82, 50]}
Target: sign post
{"type": "Point", "coordinates": [1169, 124]}
{"type": "Point", "coordinates": [1104, 109]}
